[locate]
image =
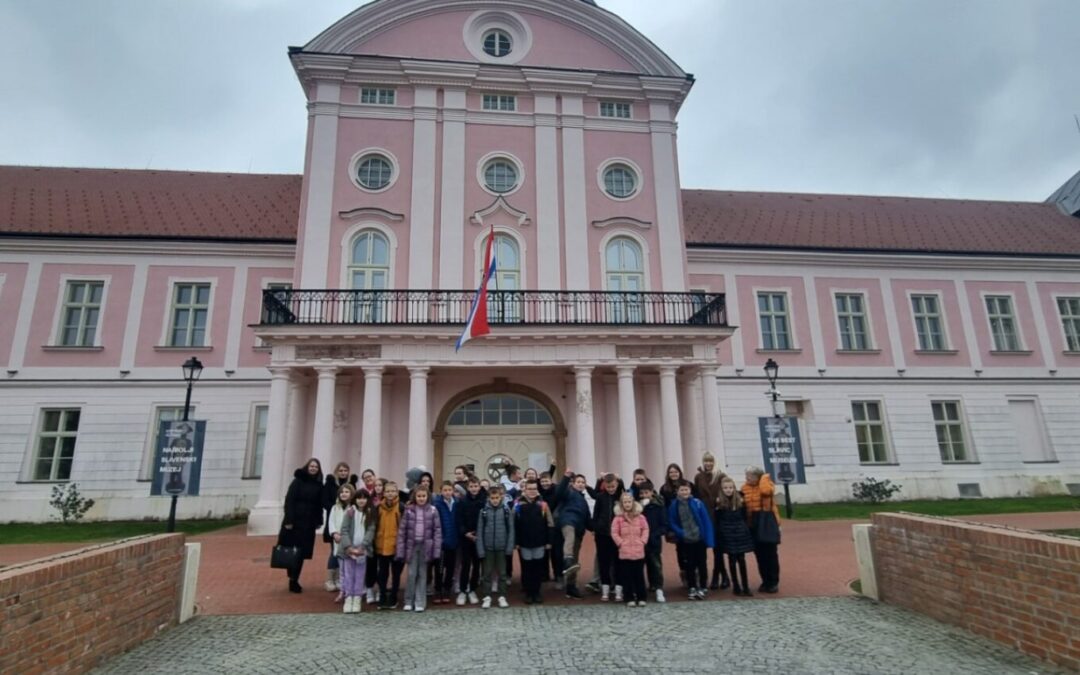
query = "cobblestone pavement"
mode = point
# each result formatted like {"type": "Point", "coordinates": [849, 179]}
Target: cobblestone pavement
{"type": "Point", "coordinates": [811, 635]}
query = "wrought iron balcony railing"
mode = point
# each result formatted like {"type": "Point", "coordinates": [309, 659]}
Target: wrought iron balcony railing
{"type": "Point", "coordinates": [505, 308]}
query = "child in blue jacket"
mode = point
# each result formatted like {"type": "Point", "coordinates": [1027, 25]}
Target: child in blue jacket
{"type": "Point", "coordinates": [446, 504]}
{"type": "Point", "coordinates": [689, 521]}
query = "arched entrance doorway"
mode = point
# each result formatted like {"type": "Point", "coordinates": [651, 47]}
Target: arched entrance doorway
{"type": "Point", "coordinates": [493, 423]}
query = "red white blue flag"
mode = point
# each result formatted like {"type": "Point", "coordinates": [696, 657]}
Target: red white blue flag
{"type": "Point", "coordinates": [477, 324]}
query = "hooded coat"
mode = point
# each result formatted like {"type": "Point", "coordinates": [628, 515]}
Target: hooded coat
{"type": "Point", "coordinates": [303, 511]}
{"type": "Point", "coordinates": [631, 534]}
{"type": "Point", "coordinates": [656, 515]}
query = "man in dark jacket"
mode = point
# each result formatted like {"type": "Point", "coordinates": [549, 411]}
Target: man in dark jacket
{"type": "Point", "coordinates": [468, 515]}
{"type": "Point", "coordinates": [574, 516]}
{"type": "Point", "coordinates": [533, 525]}
{"type": "Point", "coordinates": [656, 516]}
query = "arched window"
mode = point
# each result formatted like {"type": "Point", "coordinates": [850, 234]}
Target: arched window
{"type": "Point", "coordinates": [625, 275]}
{"type": "Point", "coordinates": [369, 270]}
{"type": "Point", "coordinates": [505, 306]}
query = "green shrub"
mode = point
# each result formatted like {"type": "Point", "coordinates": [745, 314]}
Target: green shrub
{"type": "Point", "coordinates": [873, 491]}
{"type": "Point", "coordinates": [69, 502]}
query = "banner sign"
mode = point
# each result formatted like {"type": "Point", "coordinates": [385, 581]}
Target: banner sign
{"type": "Point", "coordinates": [178, 457]}
{"type": "Point", "coordinates": [781, 449]}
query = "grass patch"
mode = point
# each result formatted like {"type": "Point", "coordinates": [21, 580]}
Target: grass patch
{"type": "Point", "coordinates": [1065, 533]}
{"type": "Point", "coordinates": [49, 533]}
{"type": "Point", "coordinates": [937, 507]}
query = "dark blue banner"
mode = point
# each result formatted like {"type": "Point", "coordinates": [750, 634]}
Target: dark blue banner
{"type": "Point", "coordinates": [178, 458]}
{"type": "Point", "coordinates": [781, 449]}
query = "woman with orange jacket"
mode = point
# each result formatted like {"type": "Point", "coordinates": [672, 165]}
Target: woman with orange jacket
{"type": "Point", "coordinates": [759, 494]}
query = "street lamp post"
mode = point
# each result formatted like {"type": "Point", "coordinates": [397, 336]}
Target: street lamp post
{"type": "Point", "coordinates": [192, 369]}
{"type": "Point", "coordinates": [783, 472]}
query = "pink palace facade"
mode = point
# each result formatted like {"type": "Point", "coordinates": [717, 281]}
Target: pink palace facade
{"type": "Point", "coordinates": [932, 342]}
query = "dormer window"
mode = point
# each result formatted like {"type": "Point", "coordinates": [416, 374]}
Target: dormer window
{"type": "Point", "coordinates": [497, 43]}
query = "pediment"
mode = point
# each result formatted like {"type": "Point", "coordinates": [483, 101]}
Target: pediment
{"type": "Point", "coordinates": [371, 212]}
{"type": "Point", "coordinates": [483, 216]}
{"type": "Point", "coordinates": [622, 221]}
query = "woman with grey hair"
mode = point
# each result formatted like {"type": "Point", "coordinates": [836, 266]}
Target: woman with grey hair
{"type": "Point", "coordinates": [759, 494]}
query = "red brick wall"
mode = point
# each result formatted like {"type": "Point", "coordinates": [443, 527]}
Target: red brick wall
{"type": "Point", "coordinates": [71, 612]}
{"type": "Point", "coordinates": [1017, 587]}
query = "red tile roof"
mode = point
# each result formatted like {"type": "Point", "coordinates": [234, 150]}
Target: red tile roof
{"type": "Point", "coordinates": [841, 222]}
{"type": "Point", "coordinates": [156, 204]}
{"type": "Point", "coordinates": [254, 207]}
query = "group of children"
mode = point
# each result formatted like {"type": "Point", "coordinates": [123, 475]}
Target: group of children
{"type": "Point", "coordinates": [463, 537]}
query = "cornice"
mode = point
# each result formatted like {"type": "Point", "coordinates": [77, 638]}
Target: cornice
{"type": "Point", "coordinates": [795, 258]}
{"type": "Point", "coordinates": [176, 247]}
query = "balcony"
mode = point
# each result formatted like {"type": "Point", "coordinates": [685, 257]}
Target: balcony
{"type": "Point", "coordinates": [505, 308]}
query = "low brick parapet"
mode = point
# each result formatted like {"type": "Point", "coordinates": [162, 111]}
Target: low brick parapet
{"type": "Point", "coordinates": [1018, 587]}
{"type": "Point", "coordinates": [70, 612]}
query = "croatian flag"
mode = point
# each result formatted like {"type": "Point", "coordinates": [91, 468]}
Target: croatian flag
{"type": "Point", "coordinates": [477, 324]}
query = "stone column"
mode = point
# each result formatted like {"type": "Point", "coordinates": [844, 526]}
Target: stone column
{"type": "Point", "coordinates": [371, 432]}
{"type": "Point", "coordinates": [583, 421]}
{"type": "Point", "coordinates": [669, 417]}
{"type": "Point", "coordinates": [628, 438]}
{"type": "Point", "coordinates": [322, 433]}
{"type": "Point", "coordinates": [419, 434]}
{"type": "Point", "coordinates": [296, 437]}
{"type": "Point", "coordinates": [608, 457]}
{"type": "Point", "coordinates": [265, 517]}
{"type": "Point", "coordinates": [714, 432]}
{"type": "Point", "coordinates": [340, 442]}
{"type": "Point", "coordinates": [690, 407]}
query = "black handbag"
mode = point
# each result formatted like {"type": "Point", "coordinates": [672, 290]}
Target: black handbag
{"type": "Point", "coordinates": [285, 557]}
{"type": "Point", "coordinates": [766, 526]}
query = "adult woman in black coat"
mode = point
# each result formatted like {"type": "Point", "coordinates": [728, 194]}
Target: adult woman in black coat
{"type": "Point", "coordinates": [303, 516]}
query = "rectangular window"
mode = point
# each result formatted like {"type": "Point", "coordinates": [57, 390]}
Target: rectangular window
{"type": "Point", "coordinates": [190, 309]}
{"type": "Point", "coordinates": [80, 313]}
{"type": "Point", "coordinates": [283, 297]}
{"type": "Point", "coordinates": [950, 431]}
{"type": "Point", "coordinates": [503, 102]}
{"type": "Point", "coordinates": [773, 315]}
{"type": "Point", "coordinates": [257, 442]}
{"type": "Point", "coordinates": [1069, 308]}
{"type": "Point", "coordinates": [870, 432]}
{"type": "Point", "coordinates": [927, 312]}
{"type": "Point", "coordinates": [162, 413]}
{"type": "Point", "coordinates": [55, 446]}
{"type": "Point", "coordinates": [615, 109]}
{"type": "Point", "coordinates": [999, 310]}
{"type": "Point", "coordinates": [851, 313]}
{"type": "Point", "coordinates": [377, 96]}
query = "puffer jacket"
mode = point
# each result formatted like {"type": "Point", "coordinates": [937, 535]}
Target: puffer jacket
{"type": "Point", "coordinates": [532, 523]}
{"type": "Point", "coordinates": [656, 515]}
{"type": "Point", "coordinates": [303, 501]}
{"type": "Point", "coordinates": [416, 516]}
{"type": "Point", "coordinates": [448, 521]}
{"type": "Point", "coordinates": [732, 532]}
{"type": "Point", "coordinates": [631, 534]}
{"type": "Point", "coordinates": [604, 512]}
{"type": "Point", "coordinates": [573, 509]}
{"type": "Point", "coordinates": [701, 517]}
{"type": "Point", "coordinates": [469, 509]}
{"type": "Point", "coordinates": [387, 529]}
{"type": "Point", "coordinates": [495, 530]}
{"type": "Point", "coordinates": [760, 496]}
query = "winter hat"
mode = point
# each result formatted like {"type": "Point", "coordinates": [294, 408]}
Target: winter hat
{"type": "Point", "coordinates": [412, 476]}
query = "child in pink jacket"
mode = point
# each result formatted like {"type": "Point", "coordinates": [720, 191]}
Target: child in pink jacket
{"type": "Point", "coordinates": [630, 531]}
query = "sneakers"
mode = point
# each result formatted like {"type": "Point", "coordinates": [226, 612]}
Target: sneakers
{"type": "Point", "coordinates": [570, 565]}
{"type": "Point", "coordinates": [560, 583]}
{"type": "Point", "coordinates": [640, 603]}
{"type": "Point", "coordinates": [460, 602]}
{"type": "Point", "coordinates": [407, 608]}
{"type": "Point", "coordinates": [502, 602]}
{"type": "Point", "coordinates": [693, 594]}
{"type": "Point", "coordinates": [631, 604]}
{"type": "Point", "coordinates": [701, 594]}
{"type": "Point", "coordinates": [418, 609]}
{"type": "Point", "coordinates": [371, 596]}
{"type": "Point", "coordinates": [347, 606]}
{"type": "Point", "coordinates": [618, 594]}
{"type": "Point", "coordinates": [771, 589]}
{"type": "Point", "coordinates": [487, 602]}
{"type": "Point", "coordinates": [593, 587]}
{"type": "Point", "coordinates": [472, 598]}
{"type": "Point", "coordinates": [573, 592]}
{"type": "Point", "coordinates": [605, 592]}
{"type": "Point", "coordinates": [660, 596]}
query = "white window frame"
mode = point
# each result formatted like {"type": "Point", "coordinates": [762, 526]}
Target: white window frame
{"type": "Point", "coordinates": [1014, 317]}
{"type": "Point", "coordinates": [616, 107]}
{"type": "Point", "coordinates": [946, 341]}
{"type": "Point", "coordinates": [621, 312]}
{"type": "Point", "coordinates": [58, 316]}
{"type": "Point", "coordinates": [252, 439]}
{"type": "Point", "coordinates": [1058, 297]}
{"type": "Point", "coordinates": [166, 329]}
{"type": "Point", "coordinates": [360, 156]}
{"type": "Point", "coordinates": [886, 436]}
{"type": "Point", "coordinates": [481, 169]}
{"type": "Point", "coordinates": [792, 339]}
{"type": "Point", "coordinates": [961, 422]}
{"type": "Point", "coordinates": [146, 466]}
{"type": "Point", "coordinates": [265, 285]}
{"type": "Point", "coordinates": [497, 32]}
{"type": "Point", "coordinates": [498, 102]}
{"type": "Point", "coordinates": [345, 280]}
{"type": "Point", "coordinates": [32, 456]}
{"type": "Point", "coordinates": [383, 96]}
{"type": "Point", "coordinates": [625, 163]}
{"type": "Point", "coordinates": [868, 327]}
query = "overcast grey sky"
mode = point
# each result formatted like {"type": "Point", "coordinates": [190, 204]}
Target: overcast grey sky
{"type": "Point", "coordinates": [938, 98]}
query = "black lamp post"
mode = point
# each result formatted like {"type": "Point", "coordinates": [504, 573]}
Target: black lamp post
{"type": "Point", "coordinates": [783, 472]}
{"type": "Point", "coordinates": [192, 369]}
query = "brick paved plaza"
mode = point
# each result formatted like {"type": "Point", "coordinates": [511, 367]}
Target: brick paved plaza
{"type": "Point", "coordinates": [802, 635]}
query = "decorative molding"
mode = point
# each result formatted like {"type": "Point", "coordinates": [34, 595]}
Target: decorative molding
{"type": "Point", "coordinates": [315, 352]}
{"type": "Point", "coordinates": [500, 204]}
{"type": "Point", "coordinates": [371, 212]}
{"type": "Point", "coordinates": [654, 351]}
{"type": "Point", "coordinates": [618, 221]}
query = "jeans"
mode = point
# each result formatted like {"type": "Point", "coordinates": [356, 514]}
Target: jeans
{"type": "Point", "coordinates": [692, 557]}
{"type": "Point", "coordinates": [470, 567]}
{"type": "Point", "coordinates": [571, 549]}
{"type": "Point", "coordinates": [416, 577]}
{"type": "Point", "coordinates": [654, 565]}
{"type": "Point", "coordinates": [444, 572]}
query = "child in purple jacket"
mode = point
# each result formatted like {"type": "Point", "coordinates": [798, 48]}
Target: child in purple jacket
{"type": "Point", "coordinates": [419, 541]}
